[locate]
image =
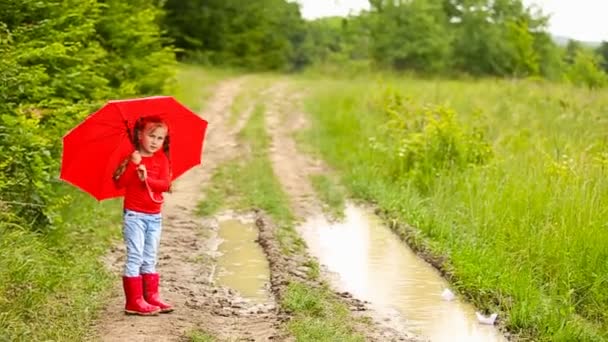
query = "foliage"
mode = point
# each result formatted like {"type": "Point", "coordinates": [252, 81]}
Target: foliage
{"type": "Point", "coordinates": [262, 35]}
{"type": "Point", "coordinates": [410, 35]}
{"type": "Point", "coordinates": [449, 37]}
{"type": "Point", "coordinates": [58, 61]}
{"type": "Point", "coordinates": [139, 59]}
{"type": "Point", "coordinates": [602, 50]}
{"type": "Point", "coordinates": [337, 45]}
{"type": "Point", "coordinates": [585, 70]}
{"type": "Point", "coordinates": [422, 142]}
{"type": "Point", "coordinates": [515, 230]}
{"type": "Point", "coordinates": [496, 37]}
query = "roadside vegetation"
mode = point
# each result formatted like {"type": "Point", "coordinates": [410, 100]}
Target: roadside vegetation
{"type": "Point", "coordinates": [502, 179]}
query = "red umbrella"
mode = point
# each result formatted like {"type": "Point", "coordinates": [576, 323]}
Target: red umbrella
{"type": "Point", "coordinates": [93, 149]}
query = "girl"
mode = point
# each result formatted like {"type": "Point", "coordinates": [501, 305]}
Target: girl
{"type": "Point", "coordinates": [145, 176]}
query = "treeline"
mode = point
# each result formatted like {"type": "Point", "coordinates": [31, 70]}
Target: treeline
{"type": "Point", "coordinates": [59, 61]}
{"type": "Point", "coordinates": [477, 37]}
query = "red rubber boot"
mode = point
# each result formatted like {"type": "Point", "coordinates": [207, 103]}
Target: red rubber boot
{"type": "Point", "coordinates": [135, 303]}
{"type": "Point", "coordinates": [151, 295]}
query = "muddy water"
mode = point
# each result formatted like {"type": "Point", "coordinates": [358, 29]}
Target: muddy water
{"type": "Point", "coordinates": [242, 264]}
{"type": "Point", "coordinates": [369, 261]}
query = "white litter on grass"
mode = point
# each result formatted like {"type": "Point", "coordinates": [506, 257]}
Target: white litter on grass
{"type": "Point", "coordinates": [486, 320]}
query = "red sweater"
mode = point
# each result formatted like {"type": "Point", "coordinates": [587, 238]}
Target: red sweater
{"type": "Point", "coordinates": [137, 196]}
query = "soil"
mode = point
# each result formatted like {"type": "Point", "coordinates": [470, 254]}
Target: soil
{"type": "Point", "coordinates": [189, 243]}
{"type": "Point", "coordinates": [293, 168]}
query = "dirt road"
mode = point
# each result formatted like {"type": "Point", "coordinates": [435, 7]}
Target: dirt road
{"type": "Point", "coordinates": [189, 242]}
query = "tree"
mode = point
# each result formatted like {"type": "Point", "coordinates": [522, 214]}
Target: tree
{"type": "Point", "coordinates": [139, 59]}
{"type": "Point", "coordinates": [572, 49]}
{"type": "Point", "coordinates": [410, 35]}
{"type": "Point", "coordinates": [499, 37]}
{"type": "Point", "coordinates": [59, 59]}
{"type": "Point", "coordinates": [263, 34]}
{"type": "Point", "coordinates": [602, 50]}
{"type": "Point", "coordinates": [585, 70]}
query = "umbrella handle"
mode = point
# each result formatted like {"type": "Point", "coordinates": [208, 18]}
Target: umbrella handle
{"type": "Point", "coordinates": [150, 194]}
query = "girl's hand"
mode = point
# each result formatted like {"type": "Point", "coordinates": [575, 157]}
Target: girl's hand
{"type": "Point", "coordinates": [142, 172]}
{"type": "Point", "coordinates": [136, 157]}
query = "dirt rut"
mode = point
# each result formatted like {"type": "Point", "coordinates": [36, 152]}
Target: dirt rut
{"type": "Point", "coordinates": [189, 243]}
{"type": "Point", "coordinates": [186, 257]}
{"type": "Point", "coordinates": [293, 168]}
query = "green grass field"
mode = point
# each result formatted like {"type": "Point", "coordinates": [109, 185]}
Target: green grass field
{"type": "Point", "coordinates": [505, 178]}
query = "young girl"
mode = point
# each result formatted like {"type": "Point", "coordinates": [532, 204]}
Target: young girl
{"type": "Point", "coordinates": [145, 176]}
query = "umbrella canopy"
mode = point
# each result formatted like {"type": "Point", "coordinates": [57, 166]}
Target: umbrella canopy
{"type": "Point", "coordinates": [93, 149]}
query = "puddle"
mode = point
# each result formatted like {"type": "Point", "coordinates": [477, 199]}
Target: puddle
{"type": "Point", "coordinates": [368, 260]}
{"type": "Point", "coordinates": [242, 264]}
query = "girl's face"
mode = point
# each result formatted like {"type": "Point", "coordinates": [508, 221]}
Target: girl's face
{"type": "Point", "coordinates": [152, 138]}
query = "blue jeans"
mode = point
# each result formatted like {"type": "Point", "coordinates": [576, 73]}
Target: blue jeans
{"type": "Point", "coordinates": [141, 233]}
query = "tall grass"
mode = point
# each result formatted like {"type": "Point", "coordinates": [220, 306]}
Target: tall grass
{"type": "Point", "coordinates": [52, 284]}
{"type": "Point", "coordinates": [525, 229]}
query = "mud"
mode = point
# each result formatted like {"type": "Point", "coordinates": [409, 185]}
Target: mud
{"type": "Point", "coordinates": [187, 258]}
{"type": "Point", "coordinates": [189, 252]}
{"type": "Point", "coordinates": [241, 263]}
{"type": "Point", "coordinates": [293, 169]}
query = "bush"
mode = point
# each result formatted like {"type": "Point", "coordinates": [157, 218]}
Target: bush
{"type": "Point", "coordinates": [59, 60]}
{"type": "Point", "coordinates": [422, 142]}
{"type": "Point", "coordinates": [586, 71]}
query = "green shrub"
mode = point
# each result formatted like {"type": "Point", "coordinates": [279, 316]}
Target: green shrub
{"type": "Point", "coordinates": [586, 71]}
{"type": "Point", "coordinates": [59, 61]}
{"type": "Point", "coordinates": [422, 142]}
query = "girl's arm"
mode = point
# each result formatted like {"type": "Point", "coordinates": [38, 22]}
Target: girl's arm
{"type": "Point", "coordinates": [163, 182]}
{"type": "Point", "coordinates": [127, 176]}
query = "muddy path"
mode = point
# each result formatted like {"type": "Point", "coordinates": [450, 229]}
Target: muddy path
{"type": "Point", "coordinates": [189, 244]}
{"type": "Point", "coordinates": [284, 118]}
{"type": "Point", "coordinates": [186, 257]}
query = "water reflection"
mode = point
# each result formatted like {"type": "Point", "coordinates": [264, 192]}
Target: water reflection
{"type": "Point", "coordinates": [374, 265]}
{"type": "Point", "coordinates": [242, 263]}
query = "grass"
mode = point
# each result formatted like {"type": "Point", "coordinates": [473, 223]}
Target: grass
{"type": "Point", "coordinates": [328, 320]}
{"type": "Point", "coordinates": [318, 316]}
{"type": "Point", "coordinates": [330, 194]}
{"type": "Point", "coordinates": [220, 188]}
{"type": "Point", "coordinates": [524, 231]}
{"type": "Point", "coordinates": [314, 270]}
{"type": "Point", "coordinates": [250, 182]}
{"type": "Point", "coordinates": [201, 336]}
{"type": "Point", "coordinates": [52, 285]}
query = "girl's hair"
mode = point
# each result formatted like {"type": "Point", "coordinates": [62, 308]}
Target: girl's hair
{"type": "Point", "coordinates": [143, 124]}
